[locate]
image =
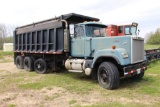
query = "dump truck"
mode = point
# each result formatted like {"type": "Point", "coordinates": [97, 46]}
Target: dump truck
{"type": "Point", "coordinates": [122, 30]}
{"type": "Point", "coordinates": [79, 43]}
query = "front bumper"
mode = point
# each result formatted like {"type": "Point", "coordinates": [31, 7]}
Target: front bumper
{"type": "Point", "coordinates": [135, 69]}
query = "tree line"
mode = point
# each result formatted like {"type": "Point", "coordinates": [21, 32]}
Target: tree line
{"type": "Point", "coordinates": [153, 37]}
{"type": "Point", "coordinates": [6, 34]}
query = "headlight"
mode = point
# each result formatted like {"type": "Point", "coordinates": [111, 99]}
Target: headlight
{"type": "Point", "coordinates": [124, 55]}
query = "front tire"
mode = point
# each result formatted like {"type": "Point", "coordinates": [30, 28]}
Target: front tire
{"type": "Point", "coordinates": [108, 76]}
{"type": "Point", "coordinates": [40, 66]}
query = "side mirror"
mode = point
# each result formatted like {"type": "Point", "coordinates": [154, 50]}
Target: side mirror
{"type": "Point", "coordinates": [71, 30]}
{"type": "Point", "coordinates": [138, 32]}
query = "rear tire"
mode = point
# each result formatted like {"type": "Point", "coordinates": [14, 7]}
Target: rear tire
{"type": "Point", "coordinates": [40, 66]}
{"type": "Point", "coordinates": [28, 64]}
{"type": "Point", "coordinates": [108, 76]}
{"type": "Point", "coordinates": [19, 62]}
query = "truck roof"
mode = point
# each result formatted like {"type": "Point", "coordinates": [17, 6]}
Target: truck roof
{"type": "Point", "coordinates": [71, 18]}
{"type": "Point", "coordinates": [95, 23]}
{"type": "Point", "coordinates": [79, 16]}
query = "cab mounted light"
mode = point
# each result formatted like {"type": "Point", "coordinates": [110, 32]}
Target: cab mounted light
{"type": "Point", "coordinates": [134, 24]}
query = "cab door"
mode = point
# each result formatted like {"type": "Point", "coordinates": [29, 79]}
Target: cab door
{"type": "Point", "coordinates": [77, 42]}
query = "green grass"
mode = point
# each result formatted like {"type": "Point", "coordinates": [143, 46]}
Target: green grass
{"type": "Point", "coordinates": [81, 84]}
{"type": "Point", "coordinates": [148, 46]}
{"type": "Point", "coordinates": [2, 53]}
{"type": "Point", "coordinates": [15, 79]}
{"type": "Point", "coordinates": [72, 102]}
{"type": "Point", "coordinates": [6, 56]}
{"type": "Point", "coordinates": [117, 104]}
{"type": "Point", "coordinates": [73, 82]}
{"type": "Point", "coordinates": [12, 105]}
{"type": "Point", "coordinates": [151, 80]}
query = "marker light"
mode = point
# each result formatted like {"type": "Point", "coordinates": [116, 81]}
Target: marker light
{"type": "Point", "coordinates": [113, 47]}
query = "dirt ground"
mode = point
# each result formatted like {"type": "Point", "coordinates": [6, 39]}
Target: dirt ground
{"type": "Point", "coordinates": [55, 96]}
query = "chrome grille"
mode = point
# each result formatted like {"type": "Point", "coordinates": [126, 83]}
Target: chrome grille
{"type": "Point", "coordinates": [137, 50]}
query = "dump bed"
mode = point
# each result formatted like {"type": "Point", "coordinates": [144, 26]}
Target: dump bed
{"type": "Point", "coordinates": [46, 36]}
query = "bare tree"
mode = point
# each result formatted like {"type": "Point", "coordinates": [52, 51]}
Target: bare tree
{"type": "Point", "coordinates": [6, 31]}
{"type": "Point", "coordinates": [2, 35]}
{"type": "Point", "coordinates": [147, 36]}
{"type": "Point", "coordinates": [10, 29]}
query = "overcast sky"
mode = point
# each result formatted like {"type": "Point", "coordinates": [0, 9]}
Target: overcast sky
{"type": "Point", "coordinates": [145, 12]}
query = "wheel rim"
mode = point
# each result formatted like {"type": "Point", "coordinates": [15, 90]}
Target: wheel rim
{"type": "Point", "coordinates": [40, 66]}
{"type": "Point", "coordinates": [103, 76]}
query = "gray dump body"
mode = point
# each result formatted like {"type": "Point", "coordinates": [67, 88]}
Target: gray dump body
{"type": "Point", "coordinates": [46, 36]}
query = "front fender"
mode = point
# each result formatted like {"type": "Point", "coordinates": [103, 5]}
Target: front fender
{"type": "Point", "coordinates": [116, 54]}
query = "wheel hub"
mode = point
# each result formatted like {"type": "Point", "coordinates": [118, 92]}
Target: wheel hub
{"type": "Point", "coordinates": [38, 66]}
{"type": "Point", "coordinates": [104, 75]}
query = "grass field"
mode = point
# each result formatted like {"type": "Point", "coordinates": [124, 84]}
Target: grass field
{"type": "Point", "coordinates": [20, 88]}
{"type": "Point", "coordinates": [148, 46]}
{"type": "Point", "coordinates": [6, 56]}
{"type": "Point", "coordinates": [2, 53]}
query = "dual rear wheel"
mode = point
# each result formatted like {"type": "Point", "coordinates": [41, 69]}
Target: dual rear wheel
{"type": "Point", "coordinates": [19, 62]}
{"type": "Point", "coordinates": [40, 66]}
{"type": "Point", "coordinates": [30, 64]}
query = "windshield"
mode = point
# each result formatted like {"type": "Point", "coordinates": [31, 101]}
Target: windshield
{"type": "Point", "coordinates": [133, 30]}
{"type": "Point", "coordinates": [95, 31]}
{"type": "Point", "coordinates": [127, 30]}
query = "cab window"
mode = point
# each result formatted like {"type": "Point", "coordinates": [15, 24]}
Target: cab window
{"type": "Point", "coordinates": [79, 32]}
{"type": "Point", "coordinates": [133, 30]}
{"type": "Point", "coordinates": [127, 30]}
{"type": "Point", "coordinates": [120, 29]}
{"type": "Point", "coordinates": [95, 30]}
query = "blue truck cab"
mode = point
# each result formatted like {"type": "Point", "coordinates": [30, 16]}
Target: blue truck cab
{"type": "Point", "coordinates": [80, 44]}
{"type": "Point", "coordinates": [108, 58]}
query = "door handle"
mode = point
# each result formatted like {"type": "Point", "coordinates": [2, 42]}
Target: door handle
{"type": "Point", "coordinates": [89, 39]}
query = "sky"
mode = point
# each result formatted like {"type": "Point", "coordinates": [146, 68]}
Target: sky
{"type": "Point", "coordinates": [145, 12]}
